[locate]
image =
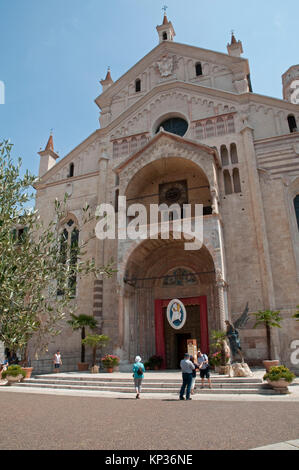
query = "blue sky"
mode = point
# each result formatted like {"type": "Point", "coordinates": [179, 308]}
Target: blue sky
{"type": "Point", "coordinates": [53, 54]}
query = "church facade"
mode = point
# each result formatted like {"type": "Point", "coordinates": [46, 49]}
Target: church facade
{"type": "Point", "coordinates": [184, 126]}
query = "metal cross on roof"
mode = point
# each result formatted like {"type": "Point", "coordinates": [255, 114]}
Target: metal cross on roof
{"type": "Point", "coordinates": [165, 8]}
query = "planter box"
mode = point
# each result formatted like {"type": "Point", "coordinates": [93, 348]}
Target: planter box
{"type": "Point", "coordinates": [83, 366]}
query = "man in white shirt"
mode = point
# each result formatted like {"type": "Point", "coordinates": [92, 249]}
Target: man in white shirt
{"type": "Point", "coordinates": [187, 367]}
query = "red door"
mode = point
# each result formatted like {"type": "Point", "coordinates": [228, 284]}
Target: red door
{"type": "Point", "coordinates": [159, 323]}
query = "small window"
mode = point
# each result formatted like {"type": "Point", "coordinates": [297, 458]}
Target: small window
{"type": "Point", "coordinates": [234, 154]}
{"type": "Point", "coordinates": [224, 155]}
{"type": "Point", "coordinates": [138, 85]}
{"type": "Point", "coordinates": [296, 204]}
{"type": "Point", "coordinates": [227, 182]}
{"type": "Point", "coordinates": [164, 36]}
{"type": "Point", "coordinates": [116, 201]}
{"type": "Point", "coordinates": [71, 170]}
{"type": "Point", "coordinates": [292, 123]}
{"type": "Point", "coordinates": [198, 69]}
{"type": "Point", "coordinates": [236, 180]}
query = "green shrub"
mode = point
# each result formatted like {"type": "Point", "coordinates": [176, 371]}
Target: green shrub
{"type": "Point", "coordinates": [279, 372]}
{"type": "Point", "coordinates": [13, 371]}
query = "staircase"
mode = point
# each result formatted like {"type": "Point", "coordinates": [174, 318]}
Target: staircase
{"type": "Point", "coordinates": [153, 384]}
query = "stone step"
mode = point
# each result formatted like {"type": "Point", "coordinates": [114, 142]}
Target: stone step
{"type": "Point", "coordinates": [128, 383]}
{"type": "Point", "coordinates": [97, 378]}
{"type": "Point", "coordinates": [123, 389]}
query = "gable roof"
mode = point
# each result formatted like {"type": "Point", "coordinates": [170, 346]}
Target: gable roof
{"type": "Point", "coordinates": [197, 53]}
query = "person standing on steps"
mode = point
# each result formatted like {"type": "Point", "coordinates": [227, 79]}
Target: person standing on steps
{"type": "Point", "coordinates": [187, 368]}
{"type": "Point", "coordinates": [138, 375]}
{"type": "Point", "coordinates": [203, 362]}
{"type": "Point", "coordinates": [193, 375]}
{"type": "Point", "coordinates": [57, 361]}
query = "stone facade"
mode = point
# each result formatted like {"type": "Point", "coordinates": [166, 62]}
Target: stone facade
{"type": "Point", "coordinates": [238, 157]}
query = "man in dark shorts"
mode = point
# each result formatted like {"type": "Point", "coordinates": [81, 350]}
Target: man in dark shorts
{"type": "Point", "coordinates": [204, 368]}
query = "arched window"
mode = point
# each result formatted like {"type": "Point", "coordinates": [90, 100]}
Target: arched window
{"type": "Point", "coordinates": [164, 36]}
{"type": "Point", "coordinates": [124, 148]}
{"type": "Point", "coordinates": [292, 123]}
{"type": "Point", "coordinates": [71, 170]}
{"type": "Point", "coordinates": [220, 126]}
{"type": "Point", "coordinates": [174, 125]}
{"type": "Point", "coordinates": [198, 69]}
{"type": "Point", "coordinates": [224, 155]}
{"type": "Point", "coordinates": [230, 125]}
{"type": "Point", "coordinates": [138, 85]}
{"type": "Point", "coordinates": [233, 154]}
{"type": "Point", "coordinates": [69, 245]}
{"type": "Point", "coordinates": [227, 182]}
{"type": "Point", "coordinates": [210, 128]}
{"type": "Point", "coordinates": [117, 180]}
{"type": "Point", "coordinates": [142, 141]}
{"type": "Point", "coordinates": [115, 149]}
{"type": "Point", "coordinates": [116, 201]}
{"type": "Point", "coordinates": [133, 145]}
{"type": "Point", "coordinates": [296, 204]}
{"type": "Point", "coordinates": [236, 180]}
{"type": "Point", "coordinates": [199, 133]}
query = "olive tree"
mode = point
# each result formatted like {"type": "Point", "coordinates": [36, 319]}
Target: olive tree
{"type": "Point", "coordinates": [34, 265]}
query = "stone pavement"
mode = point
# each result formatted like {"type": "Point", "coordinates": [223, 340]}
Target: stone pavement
{"type": "Point", "coordinates": [288, 445]}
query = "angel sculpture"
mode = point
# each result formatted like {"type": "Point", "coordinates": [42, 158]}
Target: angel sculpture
{"type": "Point", "coordinates": [233, 334]}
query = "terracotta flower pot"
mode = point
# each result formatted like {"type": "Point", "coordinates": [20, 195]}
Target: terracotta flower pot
{"type": "Point", "coordinates": [109, 370]}
{"type": "Point", "coordinates": [28, 371]}
{"type": "Point", "coordinates": [269, 364]}
{"type": "Point", "coordinates": [82, 366]}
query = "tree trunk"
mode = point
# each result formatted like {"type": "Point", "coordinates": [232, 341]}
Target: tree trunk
{"type": "Point", "coordinates": [82, 345]}
{"type": "Point", "coordinates": [268, 331]}
{"type": "Point", "coordinates": [94, 356]}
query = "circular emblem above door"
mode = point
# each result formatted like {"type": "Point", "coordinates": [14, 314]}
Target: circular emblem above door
{"type": "Point", "coordinates": [176, 314]}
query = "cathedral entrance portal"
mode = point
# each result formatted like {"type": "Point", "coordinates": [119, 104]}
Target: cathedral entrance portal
{"type": "Point", "coordinates": [157, 272]}
{"type": "Point", "coordinates": [171, 344]}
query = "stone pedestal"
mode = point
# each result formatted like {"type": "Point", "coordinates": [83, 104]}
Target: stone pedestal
{"type": "Point", "coordinates": [239, 370]}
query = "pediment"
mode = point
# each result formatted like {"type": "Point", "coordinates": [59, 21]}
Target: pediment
{"type": "Point", "coordinates": [164, 145]}
{"type": "Point", "coordinates": [171, 60]}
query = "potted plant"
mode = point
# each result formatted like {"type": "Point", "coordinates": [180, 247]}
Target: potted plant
{"type": "Point", "coordinates": [220, 357]}
{"type": "Point", "coordinates": [270, 319]}
{"type": "Point", "coordinates": [147, 365]}
{"type": "Point", "coordinates": [13, 374]}
{"type": "Point", "coordinates": [95, 342]}
{"type": "Point", "coordinates": [155, 362]}
{"type": "Point", "coordinates": [279, 377]}
{"type": "Point", "coordinates": [81, 322]}
{"type": "Point", "coordinates": [109, 362]}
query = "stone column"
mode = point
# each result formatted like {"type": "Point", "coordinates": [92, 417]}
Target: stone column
{"type": "Point", "coordinates": [222, 299]}
{"type": "Point", "coordinates": [260, 225]}
{"type": "Point", "coordinates": [99, 246]}
{"type": "Point", "coordinates": [259, 219]}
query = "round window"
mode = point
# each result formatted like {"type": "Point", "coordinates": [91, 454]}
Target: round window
{"type": "Point", "coordinates": [176, 126]}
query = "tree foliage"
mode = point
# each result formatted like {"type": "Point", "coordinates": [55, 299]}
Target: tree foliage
{"type": "Point", "coordinates": [31, 265]}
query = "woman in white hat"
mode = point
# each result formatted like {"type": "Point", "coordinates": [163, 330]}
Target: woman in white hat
{"type": "Point", "coordinates": [138, 374]}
